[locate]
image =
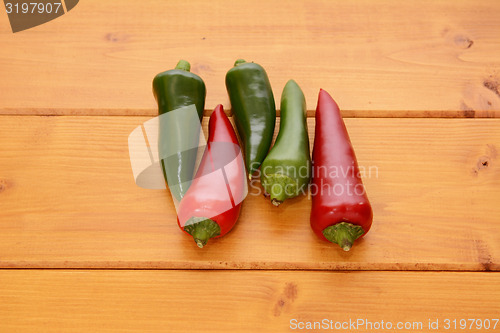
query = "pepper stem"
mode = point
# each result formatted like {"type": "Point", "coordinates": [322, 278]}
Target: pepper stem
{"type": "Point", "coordinates": [184, 65]}
{"type": "Point", "coordinates": [280, 187]}
{"type": "Point", "coordinates": [343, 234]}
{"type": "Point", "coordinates": [202, 229]}
{"type": "Point", "coordinates": [239, 62]}
{"type": "Point", "coordinates": [276, 202]}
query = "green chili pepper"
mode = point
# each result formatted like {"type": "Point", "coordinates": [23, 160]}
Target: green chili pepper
{"type": "Point", "coordinates": [286, 171]}
{"type": "Point", "coordinates": [252, 102]}
{"type": "Point", "coordinates": [174, 89]}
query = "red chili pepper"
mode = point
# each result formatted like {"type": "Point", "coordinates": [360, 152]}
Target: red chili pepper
{"type": "Point", "coordinates": [341, 212]}
{"type": "Point", "coordinates": [212, 204]}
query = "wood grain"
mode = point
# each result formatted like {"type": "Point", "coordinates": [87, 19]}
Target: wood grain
{"type": "Point", "coordinates": [232, 301]}
{"type": "Point", "coordinates": [68, 200]}
{"type": "Point", "coordinates": [390, 58]}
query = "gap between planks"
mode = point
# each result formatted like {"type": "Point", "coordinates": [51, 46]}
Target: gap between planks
{"type": "Point", "coordinates": [208, 112]}
{"type": "Point", "coordinates": [249, 266]}
{"type": "Point", "coordinates": [229, 271]}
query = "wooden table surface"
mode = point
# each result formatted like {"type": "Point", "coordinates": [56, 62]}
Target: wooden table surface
{"type": "Point", "coordinates": [83, 248]}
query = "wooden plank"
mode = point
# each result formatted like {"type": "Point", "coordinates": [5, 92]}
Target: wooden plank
{"type": "Point", "coordinates": [235, 301]}
{"type": "Point", "coordinates": [392, 57]}
{"type": "Point", "coordinates": [68, 200]}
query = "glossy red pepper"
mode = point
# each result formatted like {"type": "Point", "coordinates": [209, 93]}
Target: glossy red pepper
{"type": "Point", "coordinates": [341, 212]}
{"type": "Point", "coordinates": [213, 202]}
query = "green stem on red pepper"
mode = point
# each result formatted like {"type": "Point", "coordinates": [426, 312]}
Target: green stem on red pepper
{"type": "Point", "coordinates": [202, 229]}
{"type": "Point", "coordinates": [344, 234]}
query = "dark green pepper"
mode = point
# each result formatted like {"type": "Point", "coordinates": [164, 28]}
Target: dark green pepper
{"type": "Point", "coordinates": [178, 134]}
{"type": "Point", "coordinates": [254, 111]}
{"type": "Point", "coordinates": [286, 171]}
